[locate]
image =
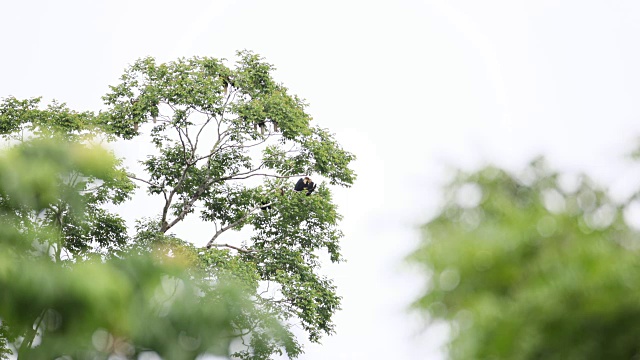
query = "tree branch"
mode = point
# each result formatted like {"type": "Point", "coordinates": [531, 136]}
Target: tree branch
{"type": "Point", "coordinates": [27, 342]}
{"type": "Point", "coordinates": [221, 141]}
{"type": "Point", "coordinates": [208, 182]}
{"type": "Point", "coordinates": [184, 146]}
{"type": "Point", "coordinates": [165, 210]}
{"type": "Point", "coordinates": [230, 247]}
{"type": "Point", "coordinates": [209, 118]}
{"type": "Point", "coordinates": [144, 181]}
{"type": "Point", "coordinates": [233, 224]}
{"type": "Point", "coordinates": [233, 177]}
{"type": "Point", "coordinates": [166, 225]}
{"type": "Point", "coordinates": [205, 185]}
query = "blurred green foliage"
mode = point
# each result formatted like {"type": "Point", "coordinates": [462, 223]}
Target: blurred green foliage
{"type": "Point", "coordinates": [529, 267]}
{"type": "Point", "coordinates": [88, 307]}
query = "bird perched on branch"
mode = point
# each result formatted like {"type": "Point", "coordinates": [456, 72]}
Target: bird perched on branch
{"type": "Point", "coordinates": [305, 183]}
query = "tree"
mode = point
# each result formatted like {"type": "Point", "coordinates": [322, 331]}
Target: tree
{"type": "Point", "coordinates": [227, 142]}
{"type": "Point", "coordinates": [89, 307]}
{"type": "Point", "coordinates": [526, 267]}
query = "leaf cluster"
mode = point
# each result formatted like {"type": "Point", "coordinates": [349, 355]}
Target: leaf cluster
{"type": "Point", "coordinates": [526, 267]}
{"type": "Point", "coordinates": [93, 307]}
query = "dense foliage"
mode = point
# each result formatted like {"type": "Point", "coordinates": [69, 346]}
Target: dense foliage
{"type": "Point", "coordinates": [86, 306]}
{"type": "Point", "coordinates": [227, 141]}
{"type": "Point", "coordinates": [532, 267]}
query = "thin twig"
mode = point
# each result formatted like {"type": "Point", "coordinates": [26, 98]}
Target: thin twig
{"type": "Point", "coordinates": [234, 224]}
{"type": "Point", "coordinates": [144, 181]}
{"type": "Point", "coordinates": [233, 177]}
{"type": "Point", "coordinates": [229, 246]}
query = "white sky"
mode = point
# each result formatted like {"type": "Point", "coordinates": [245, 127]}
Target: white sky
{"type": "Point", "coordinates": [409, 86]}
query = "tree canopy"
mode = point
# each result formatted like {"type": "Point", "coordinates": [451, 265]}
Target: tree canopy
{"type": "Point", "coordinates": [228, 140]}
{"type": "Point", "coordinates": [532, 267]}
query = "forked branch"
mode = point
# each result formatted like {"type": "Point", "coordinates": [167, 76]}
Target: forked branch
{"type": "Point", "coordinates": [233, 224]}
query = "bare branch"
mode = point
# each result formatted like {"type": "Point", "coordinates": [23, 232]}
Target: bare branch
{"type": "Point", "coordinates": [144, 181]}
{"type": "Point", "coordinates": [184, 146]}
{"type": "Point", "coordinates": [186, 134]}
{"type": "Point", "coordinates": [234, 224]}
{"type": "Point", "coordinates": [185, 209]}
{"type": "Point", "coordinates": [209, 118]}
{"type": "Point", "coordinates": [165, 210]}
{"type": "Point", "coordinates": [267, 290]}
{"type": "Point", "coordinates": [219, 147]}
{"type": "Point", "coordinates": [264, 140]}
{"type": "Point", "coordinates": [233, 177]}
{"type": "Point", "coordinates": [230, 247]}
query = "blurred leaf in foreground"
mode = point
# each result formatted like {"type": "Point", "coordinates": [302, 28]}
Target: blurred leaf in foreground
{"type": "Point", "coordinates": [532, 267]}
{"type": "Point", "coordinates": [91, 307]}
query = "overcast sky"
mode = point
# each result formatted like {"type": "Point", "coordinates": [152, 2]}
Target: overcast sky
{"type": "Point", "coordinates": [410, 87]}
